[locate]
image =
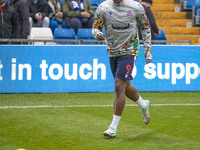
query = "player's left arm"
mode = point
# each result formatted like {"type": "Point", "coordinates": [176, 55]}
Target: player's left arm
{"type": "Point", "coordinates": [146, 33]}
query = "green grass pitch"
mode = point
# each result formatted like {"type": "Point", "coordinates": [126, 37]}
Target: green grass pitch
{"type": "Point", "coordinates": [81, 119]}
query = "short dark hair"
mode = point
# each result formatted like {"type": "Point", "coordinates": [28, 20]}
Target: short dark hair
{"type": "Point", "coordinates": [148, 1]}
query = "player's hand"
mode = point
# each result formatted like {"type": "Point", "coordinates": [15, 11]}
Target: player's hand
{"type": "Point", "coordinates": [148, 55]}
{"type": "Point", "coordinates": [100, 36]}
{"type": "Point", "coordinates": [148, 60]}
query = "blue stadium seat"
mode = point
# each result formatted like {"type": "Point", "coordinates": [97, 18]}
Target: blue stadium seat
{"type": "Point", "coordinates": [187, 4]}
{"type": "Point", "coordinates": [61, 1]}
{"type": "Point", "coordinates": [161, 36]}
{"type": "Point", "coordinates": [100, 1]}
{"type": "Point", "coordinates": [66, 33]}
{"type": "Point", "coordinates": [64, 25]}
{"type": "Point", "coordinates": [190, 3]}
{"type": "Point", "coordinates": [94, 3]}
{"type": "Point", "coordinates": [196, 5]}
{"type": "Point", "coordinates": [196, 13]}
{"type": "Point", "coordinates": [197, 18]}
{"type": "Point", "coordinates": [86, 34]}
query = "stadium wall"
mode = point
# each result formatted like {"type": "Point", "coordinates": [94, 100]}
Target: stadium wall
{"type": "Point", "coordinates": [35, 69]}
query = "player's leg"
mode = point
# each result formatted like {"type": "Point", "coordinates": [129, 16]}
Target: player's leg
{"type": "Point", "coordinates": [131, 93]}
{"type": "Point", "coordinates": [121, 68]}
{"type": "Point", "coordinates": [119, 104]}
{"type": "Point", "coordinates": [119, 96]}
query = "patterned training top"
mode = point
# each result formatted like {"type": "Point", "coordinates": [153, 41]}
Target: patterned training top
{"type": "Point", "coordinates": [120, 21]}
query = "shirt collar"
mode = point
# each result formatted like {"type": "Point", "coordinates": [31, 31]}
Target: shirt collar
{"type": "Point", "coordinates": [119, 4]}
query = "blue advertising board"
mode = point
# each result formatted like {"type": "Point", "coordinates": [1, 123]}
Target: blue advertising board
{"type": "Point", "coordinates": [30, 69]}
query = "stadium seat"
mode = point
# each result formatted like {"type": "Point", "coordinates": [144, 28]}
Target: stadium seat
{"type": "Point", "coordinates": [196, 13]}
{"type": "Point", "coordinates": [161, 36]}
{"type": "Point", "coordinates": [197, 18]}
{"type": "Point", "coordinates": [94, 3]}
{"type": "Point", "coordinates": [187, 4]}
{"type": "Point", "coordinates": [100, 1]}
{"type": "Point", "coordinates": [65, 34]}
{"type": "Point", "coordinates": [196, 5]}
{"type": "Point", "coordinates": [64, 25]}
{"type": "Point", "coordinates": [190, 3]}
{"type": "Point", "coordinates": [41, 34]}
{"type": "Point", "coordinates": [61, 1]}
{"type": "Point", "coordinates": [86, 34]}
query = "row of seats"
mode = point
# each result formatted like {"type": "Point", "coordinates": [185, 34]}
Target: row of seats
{"type": "Point", "coordinates": [62, 34]}
{"type": "Point", "coordinates": [69, 34]}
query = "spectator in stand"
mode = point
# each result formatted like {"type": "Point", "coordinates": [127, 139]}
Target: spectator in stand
{"type": "Point", "coordinates": [154, 29]}
{"type": "Point", "coordinates": [22, 10]}
{"type": "Point", "coordinates": [9, 27]}
{"type": "Point", "coordinates": [80, 13]}
{"type": "Point", "coordinates": [38, 13]}
{"type": "Point", "coordinates": [55, 14]}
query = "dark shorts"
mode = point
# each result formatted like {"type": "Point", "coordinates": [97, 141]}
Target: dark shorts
{"type": "Point", "coordinates": [122, 66]}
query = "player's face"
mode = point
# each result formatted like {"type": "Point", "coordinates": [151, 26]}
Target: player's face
{"type": "Point", "coordinates": [117, 1]}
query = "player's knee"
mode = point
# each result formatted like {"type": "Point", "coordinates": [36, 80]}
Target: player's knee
{"type": "Point", "coordinates": [131, 91]}
{"type": "Point", "coordinates": [128, 84]}
{"type": "Point", "coordinates": [119, 85]}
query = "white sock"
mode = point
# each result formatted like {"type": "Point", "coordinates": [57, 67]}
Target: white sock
{"type": "Point", "coordinates": [141, 102]}
{"type": "Point", "coordinates": [115, 122]}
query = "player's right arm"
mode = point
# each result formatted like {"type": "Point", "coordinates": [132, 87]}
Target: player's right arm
{"type": "Point", "coordinates": [146, 33]}
{"type": "Point", "coordinates": [98, 24]}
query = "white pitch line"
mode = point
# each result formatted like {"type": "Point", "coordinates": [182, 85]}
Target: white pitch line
{"type": "Point", "coordinates": [82, 106]}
